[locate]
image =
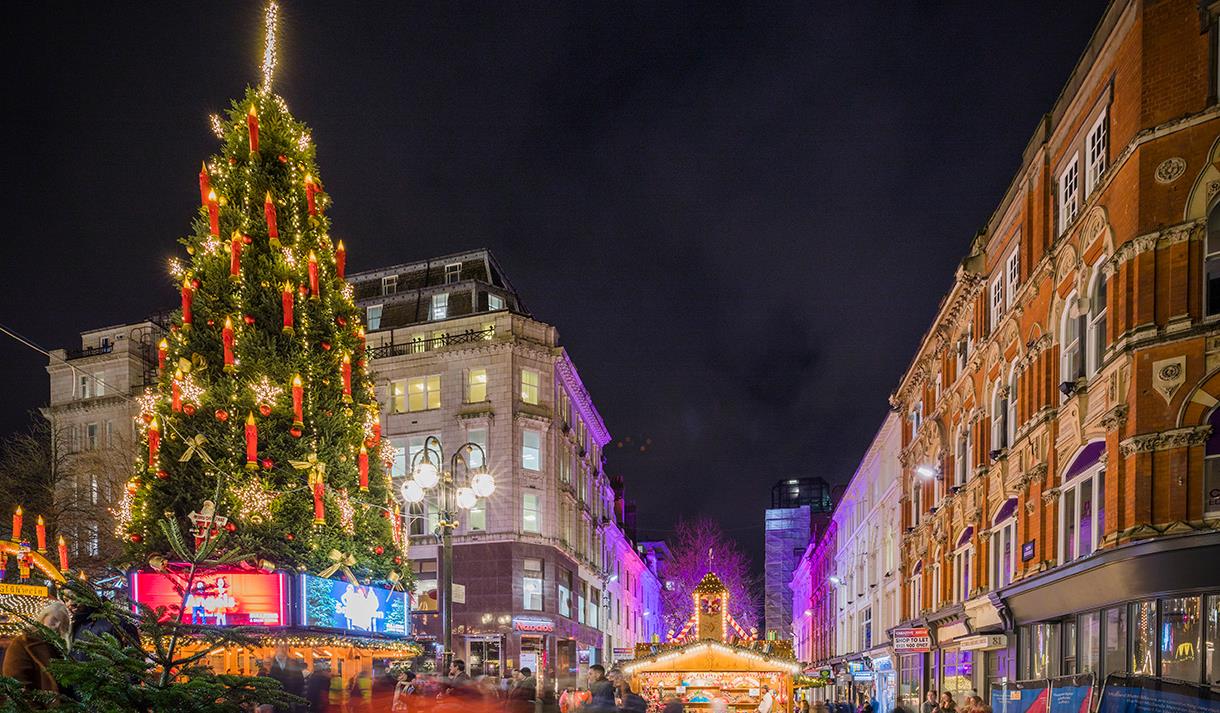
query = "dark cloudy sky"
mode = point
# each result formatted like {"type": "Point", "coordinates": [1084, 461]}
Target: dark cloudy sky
{"type": "Point", "coordinates": [740, 216]}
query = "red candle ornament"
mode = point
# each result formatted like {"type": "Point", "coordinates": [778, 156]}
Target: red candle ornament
{"type": "Point", "coordinates": [340, 260]}
{"type": "Point", "coordinates": [154, 444]}
{"type": "Point", "coordinates": [162, 353]}
{"type": "Point", "coordinates": [40, 529]}
{"type": "Point", "coordinates": [213, 214]}
{"type": "Point", "coordinates": [63, 554]}
{"type": "Point", "coordinates": [319, 508]}
{"type": "Point", "coordinates": [235, 256]}
{"type": "Point", "coordinates": [347, 379]}
{"type": "Point", "coordinates": [363, 462]}
{"type": "Point", "coordinates": [313, 276]}
{"type": "Point", "coordinates": [251, 443]}
{"type": "Point", "coordinates": [360, 341]}
{"type": "Point", "coordinates": [187, 295]}
{"type": "Point", "coordinates": [286, 299]}
{"type": "Point", "coordinates": [17, 524]}
{"type": "Point", "coordinates": [273, 231]}
{"type": "Point", "coordinates": [298, 394]}
{"type": "Point", "coordinates": [205, 185]}
{"type": "Point", "coordinates": [226, 336]}
{"type": "Point", "coordinates": [175, 393]}
{"type": "Point", "coordinates": [311, 191]}
{"type": "Point", "coordinates": [252, 127]}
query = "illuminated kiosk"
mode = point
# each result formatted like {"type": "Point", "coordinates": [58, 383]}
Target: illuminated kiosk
{"type": "Point", "coordinates": [703, 662]}
{"type": "Point", "coordinates": [23, 600]}
{"type": "Point", "coordinates": [346, 625]}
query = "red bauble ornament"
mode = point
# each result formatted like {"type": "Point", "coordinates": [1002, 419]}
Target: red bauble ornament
{"type": "Point", "coordinates": [248, 319]}
{"type": "Point", "coordinates": [264, 409]}
{"type": "Point", "coordinates": [290, 537]}
{"type": "Point", "coordinates": [232, 161]}
{"type": "Point", "coordinates": [222, 415]}
{"type": "Point", "coordinates": [325, 346]}
{"type": "Point", "coordinates": [162, 474]}
{"type": "Point", "coordinates": [397, 559]}
{"type": "Point", "coordinates": [211, 323]}
{"type": "Point", "coordinates": [188, 409]}
{"type": "Point", "coordinates": [378, 550]}
{"type": "Point", "coordinates": [282, 158]}
{"type": "Point", "coordinates": [295, 432]}
{"type": "Point", "coordinates": [329, 413]}
{"type": "Point", "coordinates": [342, 321]}
{"type": "Point", "coordinates": [268, 464]}
{"type": "Point", "coordinates": [133, 485]}
{"type": "Point", "coordinates": [229, 526]}
{"type": "Point", "coordinates": [135, 537]}
{"type": "Point", "coordinates": [195, 283]}
{"type": "Point", "coordinates": [247, 239]}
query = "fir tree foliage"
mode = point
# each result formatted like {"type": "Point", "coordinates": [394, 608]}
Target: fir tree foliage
{"type": "Point", "coordinates": [203, 443]}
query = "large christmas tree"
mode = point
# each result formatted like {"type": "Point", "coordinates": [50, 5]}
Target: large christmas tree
{"type": "Point", "coordinates": [264, 403]}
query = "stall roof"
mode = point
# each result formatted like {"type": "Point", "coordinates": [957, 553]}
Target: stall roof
{"type": "Point", "coordinates": [712, 656]}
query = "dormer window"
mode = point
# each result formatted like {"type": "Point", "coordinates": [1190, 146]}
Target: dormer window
{"type": "Point", "coordinates": [494, 302]}
{"type": "Point", "coordinates": [389, 285]}
{"type": "Point", "coordinates": [453, 273]}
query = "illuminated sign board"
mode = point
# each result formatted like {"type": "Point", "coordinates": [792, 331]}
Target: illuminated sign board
{"type": "Point", "coordinates": [522, 623]}
{"type": "Point", "coordinates": [217, 598]}
{"type": "Point", "coordinates": [913, 639]}
{"type": "Point", "coordinates": [356, 608]}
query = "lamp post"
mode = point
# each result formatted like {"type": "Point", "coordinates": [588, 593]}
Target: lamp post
{"type": "Point", "coordinates": [429, 477]}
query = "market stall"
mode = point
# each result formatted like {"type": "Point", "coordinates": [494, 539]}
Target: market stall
{"type": "Point", "coordinates": [705, 662]}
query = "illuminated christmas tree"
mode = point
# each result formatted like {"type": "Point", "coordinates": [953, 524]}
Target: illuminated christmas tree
{"type": "Point", "coordinates": [264, 402]}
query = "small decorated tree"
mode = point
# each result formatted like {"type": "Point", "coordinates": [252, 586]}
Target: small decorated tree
{"type": "Point", "coordinates": [264, 393]}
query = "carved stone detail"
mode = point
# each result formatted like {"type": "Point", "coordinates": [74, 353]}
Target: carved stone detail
{"type": "Point", "coordinates": [1170, 170]}
{"type": "Point", "coordinates": [1115, 417]}
{"type": "Point", "coordinates": [1168, 375]}
{"type": "Point", "coordinates": [1166, 440]}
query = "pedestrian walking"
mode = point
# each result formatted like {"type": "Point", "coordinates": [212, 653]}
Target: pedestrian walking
{"type": "Point", "coordinates": [29, 654]}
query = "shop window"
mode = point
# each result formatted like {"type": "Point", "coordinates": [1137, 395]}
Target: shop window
{"type": "Point", "coordinates": [958, 673]}
{"type": "Point", "coordinates": [1211, 616]}
{"type": "Point", "coordinates": [1114, 631]}
{"type": "Point", "coordinates": [1088, 631]}
{"type": "Point", "coordinates": [910, 678]}
{"type": "Point", "coordinates": [1180, 630]}
{"type": "Point", "coordinates": [1211, 469]}
{"type": "Point", "coordinates": [1069, 648]}
{"type": "Point", "coordinates": [1143, 638]}
{"type": "Point", "coordinates": [1044, 650]}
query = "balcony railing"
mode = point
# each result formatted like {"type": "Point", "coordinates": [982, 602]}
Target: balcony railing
{"type": "Point", "coordinates": [421, 344]}
{"type": "Point", "coordinates": [90, 351]}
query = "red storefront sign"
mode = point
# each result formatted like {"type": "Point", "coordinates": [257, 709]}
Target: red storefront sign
{"type": "Point", "coordinates": [915, 639]}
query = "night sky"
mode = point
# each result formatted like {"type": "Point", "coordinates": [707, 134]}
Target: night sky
{"type": "Point", "coordinates": [740, 217]}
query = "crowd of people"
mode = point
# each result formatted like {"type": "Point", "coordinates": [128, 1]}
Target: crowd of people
{"type": "Point", "coordinates": [473, 691]}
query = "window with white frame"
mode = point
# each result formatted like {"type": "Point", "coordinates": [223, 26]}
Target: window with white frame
{"type": "Point", "coordinates": [389, 284]}
{"type": "Point", "coordinates": [1069, 193]}
{"type": "Point", "coordinates": [415, 449]}
{"type": "Point", "coordinates": [963, 564]}
{"type": "Point", "coordinates": [453, 273]}
{"type": "Point", "coordinates": [961, 456]}
{"type": "Point", "coordinates": [531, 584]}
{"type": "Point", "coordinates": [1082, 514]}
{"type": "Point", "coordinates": [917, 497]}
{"type": "Point", "coordinates": [1011, 417]}
{"type": "Point", "coordinates": [997, 300]}
{"type": "Point", "coordinates": [475, 456]}
{"type": "Point", "coordinates": [1097, 322]}
{"type": "Point", "coordinates": [916, 418]}
{"type": "Point", "coordinates": [476, 520]}
{"type": "Point", "coordinates": [531, 381]}
{"type": "Point", "coordinates": [531, 449]}
{"type": "Point", "coordinates": [1096, 148]}
{"type": "Point", "coordinates": [1012, 274]}
{"type": "Point", "coordinates": [1071, 357]}
{"type": "Point", "coordinates": [476, 386]}
{"type": "Point", "coordinates": [494, 302]}
{"type": "Point", "coordinates": [999, 416]}
{"type": "Point", "coordinates": [420, 393]}
{"type": "Point", "coordinates": [440, 306]}
{"type": "Point", "coordinates": [372, 316]}
{"type": "Point", "coordinates": [936, 590]}
{"type": "Point", "coordinates": [1211, 264]}
{"type": "Point", "coordinates": [1003, 553]}
{"type": "Point", "coordinates": [531, 515]}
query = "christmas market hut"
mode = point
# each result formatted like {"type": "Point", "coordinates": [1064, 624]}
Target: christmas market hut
{"type": "Point", "coordinates": [36, 576]}
{"type": "Point", "coordinates": [714, 658]}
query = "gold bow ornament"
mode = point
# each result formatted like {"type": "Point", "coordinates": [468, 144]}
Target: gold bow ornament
{"type": "Point", "coordinates": [194, 444]}
{"type": "Point", "coordinates": [316, 468]}
{"type": "Point", "coordinates": [340, 562]}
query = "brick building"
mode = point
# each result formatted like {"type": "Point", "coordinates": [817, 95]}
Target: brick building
{"type": "Point", "coordinates": [1060, 490]}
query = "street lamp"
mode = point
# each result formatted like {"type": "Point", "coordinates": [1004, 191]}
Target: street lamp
{"type": "Point", "coordinates": [451, 494]}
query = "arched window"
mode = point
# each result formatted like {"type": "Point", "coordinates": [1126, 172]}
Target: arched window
{"type": "Point", "coordinates": [963, 566]}
{"type": "Point", "coordinates": [1071, 356]}
{"type": "Point", "coordinates": [1211, 469]}
{"type": "Point", "coordinates": [915, 590]}
{"type": "Point", "coordinates": [1097, 321]}
{"type": "Point", "coordinates": [1003, 549]}
{"type": "Point", "coordinates": [1211, 264]}
{"type": "Point", "coordinates": [961, 459]}
{"type": "Point", "coordinates": [1082, 504]}
{"type": "Point", "coordinates": [999, 416]}
{"type": "Point", "coordinates": [1011, 417]}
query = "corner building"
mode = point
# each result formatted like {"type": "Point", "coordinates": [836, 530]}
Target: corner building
{"type": "Point", "coordinates": [551, 581]}
{"type": "Point", "coordinates": [1061, 461]}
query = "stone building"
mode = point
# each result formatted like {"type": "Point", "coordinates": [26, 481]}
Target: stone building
{"type": "Point", "coordinates": [1060, 484]}
{"type": "Point", "coordinates": [550, 578]}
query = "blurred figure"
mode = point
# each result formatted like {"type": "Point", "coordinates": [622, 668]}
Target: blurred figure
{"type": "Point", "coordinates": [317, 687]}
{"type": "Point", "coordinates": [284, 669]}
{"type": "Point", "coordinates": [601, 690]}
{"type": "Point", "coordinates": [523, 693]}
{"type": "Point", "coordinates": [30, 652]}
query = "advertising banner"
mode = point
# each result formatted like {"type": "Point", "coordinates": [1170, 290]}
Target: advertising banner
{"type": "Point", "coordinates": [1072, 694]}
{"type": "Point", "coordinates": [340, 605]}
{"type": "Point", "coordinates": [217, 598]}
{"type": "Point", "coordinates": [913, 640]}
{"type": "Point", "coordinates": [1145, 694]}
{"type": "Point", "coordinates": [1020, 697]}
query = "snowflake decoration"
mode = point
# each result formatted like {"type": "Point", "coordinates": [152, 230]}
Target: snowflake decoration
{"type": "Point", "coordinates": [217, 126]}
{"type": "Point", "coordinates": [122, 513]}
{"type": "Point", "coordinates": [190, 390]}
{"type": "Point", "coordinates": [347, 290]}
{"type": "Point", "coordinates": [254, 501]}
{"type": "Point", "coordinates": [176, 268]}
{"type": "Point", "coordinates": [347, 513]}
{"type": "Point", "coordinates": [211, 246]}
{"type": "Point", "coordinates": [266, 392]}
{"type": "Point", "coordinates": [303, 141]}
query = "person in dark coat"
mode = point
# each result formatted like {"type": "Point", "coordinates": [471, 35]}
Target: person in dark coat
{"type": "Point", "coordinates": [601, 690]}
{"type": "Point", "coordinates": [288, 672]}
{"type": "Point", "coordinates": [29, 654]}
{"type": "Point", "coordinates": [317, 688]}
{"type": "Point", "coordinates": [521, 696]}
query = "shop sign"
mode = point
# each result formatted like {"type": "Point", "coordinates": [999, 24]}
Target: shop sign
{"type": "Point", "coordinates": [1027, 551]}
{"type": "Point", "coordinates": [913, 640]}
{"type": "Point", "coordinates": [825, 674]}
{"type": "Point", "coordinates": [340, 605]}
{"type": "Point", "coordinates": [883, 663]}
{"type": "Point", "coordinates": [623, 654]}
{"type": "Point", "coordinates": [544, 626]}
{"type": "Point", "coordinates": [983, 642]}
{"type": "Point", "coordinates": [24, 590]}
{"type": "Point", "coordinates": [859, 671]}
